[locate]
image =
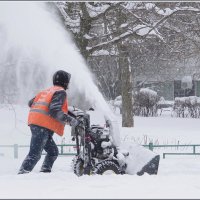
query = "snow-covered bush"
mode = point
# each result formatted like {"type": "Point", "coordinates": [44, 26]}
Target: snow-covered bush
{"type": "Point", "coordinates": [187, 107]}
{"type": "Point", "coordinates": [146, 102]}
{"type": "Point", "coordinates": [117, 103]}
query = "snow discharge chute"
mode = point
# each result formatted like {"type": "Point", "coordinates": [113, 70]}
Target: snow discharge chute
{"type": "Point", "coordinates": [97, 154]}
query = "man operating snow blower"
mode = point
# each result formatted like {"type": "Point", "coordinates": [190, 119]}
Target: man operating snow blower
{"type": "Point", "coordinates": [48, 114]}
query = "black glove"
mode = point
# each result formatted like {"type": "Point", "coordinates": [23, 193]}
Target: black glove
{"type": "Point", "coordinates": [74, 122]}
{"type": "Point", "coordinates": [31, 102]}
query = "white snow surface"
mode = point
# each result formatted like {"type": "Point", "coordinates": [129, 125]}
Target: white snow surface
{"type": "Point", "coordinates": [178, 176]}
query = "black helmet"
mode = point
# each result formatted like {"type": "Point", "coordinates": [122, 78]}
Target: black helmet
{"type": "Point", "coordinates": [61, 78]}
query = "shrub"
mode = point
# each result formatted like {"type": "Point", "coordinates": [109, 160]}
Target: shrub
{"type": "Point", "coordinates": [187, 107]}
{"type": "Point", "coordinates": [146, 102]}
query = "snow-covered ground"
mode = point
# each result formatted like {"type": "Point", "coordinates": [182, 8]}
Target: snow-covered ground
{"type": "Point", "coordinates": [178, 176]}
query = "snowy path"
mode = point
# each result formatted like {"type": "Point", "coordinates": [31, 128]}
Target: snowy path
{"type": "Point", "coordinates": [177, 178]}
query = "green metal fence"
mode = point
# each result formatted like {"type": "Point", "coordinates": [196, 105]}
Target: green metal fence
{"type": "Point", "coordinates": [193, 148]}
{"type": "Point", "coordinates": [16, 148]}
{"type": "Point", "coordinates": [150, 146]}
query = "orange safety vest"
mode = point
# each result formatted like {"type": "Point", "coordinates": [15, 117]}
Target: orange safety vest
{"type": "Point", "coordinates": [39, 112]}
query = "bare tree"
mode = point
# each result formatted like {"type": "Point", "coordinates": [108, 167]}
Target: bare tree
{"type": "Point", "coordinates": [143, 35]}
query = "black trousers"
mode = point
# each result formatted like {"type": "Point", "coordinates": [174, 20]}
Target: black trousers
{"type": "Point", "coordinates": [41, 140]}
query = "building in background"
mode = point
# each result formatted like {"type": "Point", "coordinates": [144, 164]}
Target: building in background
{"type": "Point", "coordinates": [181, 86]}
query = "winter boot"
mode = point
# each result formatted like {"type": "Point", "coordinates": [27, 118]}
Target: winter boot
{"type": "Point", "coordinates": [45, 170]}
{"type": "Point", "coordinates": [23, 171]}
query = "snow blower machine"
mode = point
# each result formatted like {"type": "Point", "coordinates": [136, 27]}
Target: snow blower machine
{"type": "Point", "coordinates": [96, 153]}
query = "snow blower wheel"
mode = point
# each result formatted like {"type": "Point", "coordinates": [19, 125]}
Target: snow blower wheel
{"type": "Point", "coordinates": [78, 167]}
{"type": "Point", "coordinates": [107, 167]}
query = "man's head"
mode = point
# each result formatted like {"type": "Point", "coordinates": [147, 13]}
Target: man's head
{"type": "Point", "coordinates": [61, 78]}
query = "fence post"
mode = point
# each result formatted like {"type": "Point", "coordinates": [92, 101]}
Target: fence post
{"type": "Point", "coordinates": [151, 146]}
{"type": "Point", "coordinates": [163, 155]}
{"type": "Point", "coordinates": [194, 151]}
{"type": "Point", "coordinates": [15, 151]}
{"type": "Point", "coordinates": [61, 150]}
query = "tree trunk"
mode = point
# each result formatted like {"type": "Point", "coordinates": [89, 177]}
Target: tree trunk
{"type": "Point", "coordinates": [125, 76]}
{"type": "Point", "coordinates": [126, 86]}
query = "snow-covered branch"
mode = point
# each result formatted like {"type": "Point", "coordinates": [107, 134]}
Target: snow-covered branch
{"type": "Point", "coordinates": [103, 11]}
{"type": "Point", "coordinates": [115, 40]}
{"type": "Point", "coordinates": [73, 23]}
